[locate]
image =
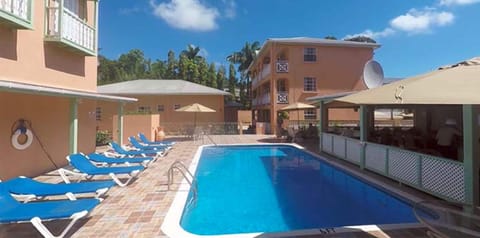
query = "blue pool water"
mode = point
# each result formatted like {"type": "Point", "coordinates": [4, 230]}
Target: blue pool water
{"type": "Point", "coordinates": [244, 189]}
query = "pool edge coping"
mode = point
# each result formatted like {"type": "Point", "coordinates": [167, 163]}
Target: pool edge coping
{"type": "Point", "coordinates": [171, 223]}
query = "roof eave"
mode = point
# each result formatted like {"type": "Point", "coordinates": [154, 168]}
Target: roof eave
{"type": "Point", "coordinates": [17, 87]}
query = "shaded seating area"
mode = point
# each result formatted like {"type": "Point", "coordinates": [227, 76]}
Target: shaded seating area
{"type": "Point", "coordinates": [434, 145]}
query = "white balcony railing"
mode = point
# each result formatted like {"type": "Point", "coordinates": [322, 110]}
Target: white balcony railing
{"type": "Point", "coordinates": [282, 97]}
{"type": "Point", "coordinates": [282, 67]}
{"type": "Point", "coordinates": [16, 11]}
{"type": "Point", "coordinates": [261, 100]}
{"type": "Point", "coordinates": [66, 27]}
{"type": "Point", "coordinates": [265, 71]}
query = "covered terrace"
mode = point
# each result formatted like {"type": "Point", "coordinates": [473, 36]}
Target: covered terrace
{"type": "Point", "coordinates": [406, 149]}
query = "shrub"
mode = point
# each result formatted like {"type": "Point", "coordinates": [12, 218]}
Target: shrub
{"type": "Point", "coordinates": [103, 138]}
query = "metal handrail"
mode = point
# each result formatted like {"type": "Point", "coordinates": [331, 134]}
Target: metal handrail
{"type": "Point", "coordinates": [179, 166]}
{"type": "Point", "coordinates": [210, 138]}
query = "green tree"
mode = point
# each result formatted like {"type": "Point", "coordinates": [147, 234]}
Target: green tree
{"type": "Point", "coordinates": [232, 81]}
{"type": "Point", "coordinates": [108, 71]}
{"type": "Point", "coordinates": [203, 71]}
{"type": "Point", "coordinates": [192, 53]}
{"type": "Point", "coordinates": [244, 58]}
{"type": "Point", "coordinates": [182, 68]}
{"type": "Point", "coordinates": [133, 64]}
{"type": "Point", "coordinates": [221, 77]}
{"type": "Point", "coordinates": [361, 39]}
{"type": "Point", "coordinates": [172, 65]}
{"type": "Point", "coordinates": [193, 73]}
{"type": "Point", "coordinates": [212, 76]}
{"type": "Point", "coordinates": [158, 69]}
{"type": "Point", "coordinates": [330, 37]}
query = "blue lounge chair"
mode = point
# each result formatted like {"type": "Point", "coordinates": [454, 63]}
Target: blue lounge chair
{"type": "Point", "coordinates": [87, 170]}
{"type": "Point", "coordinates": [13, 211]}
{"type": "Point", "coordinates": [28, 189]}
{"type": "Point", "coordinates": [137, 145]}
{"type": "Point", "coordinates": [118, 150]}
{"type": "Point", "coordinates": [105, 160]}
{"type": "Point", "coordinates": [145, 141]}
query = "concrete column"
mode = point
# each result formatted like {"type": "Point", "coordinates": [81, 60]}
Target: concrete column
{"type": "Point", "coordinates": [364, 130]}
{"type": "Point", "coordinates": [471, 155]}
{"type": "Point", "coordinates": [120, 123]}
{"type": "Point", "coordinates": [322, 123]}
{"type": "Point", "coordinates": [73, 145]}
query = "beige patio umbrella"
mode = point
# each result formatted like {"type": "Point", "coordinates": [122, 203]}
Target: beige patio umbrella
{"type": "Point", "coordinates": [297, 107]}
{"type": "Point", "coordinates": [196, 107]}
{"type": "Point", "coordinates": [454, 84]}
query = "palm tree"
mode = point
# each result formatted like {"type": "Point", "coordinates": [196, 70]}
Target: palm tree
{"type": "Point", "coordinates": [192, 52]}
{"type": "Point", "coordinates": [244, 58]}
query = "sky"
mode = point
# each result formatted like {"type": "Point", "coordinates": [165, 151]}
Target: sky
{"type": "Point", "coordinates": [416, 36]}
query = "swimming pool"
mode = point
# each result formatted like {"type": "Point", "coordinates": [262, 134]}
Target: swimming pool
{"type": "Point", "coordinates": [277, 188]}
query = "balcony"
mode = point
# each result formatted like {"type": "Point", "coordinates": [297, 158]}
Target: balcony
{"type": "Point", "coordinates": [282, 67]}
{"type": "Point", "coordinates": [265, 71]}
{"type": "Point", "coordinates": [17, 13]}
{"type": "Point", "coordinates": [67, 29]}
{"type": "Point", "coordinates": [282, 98]}
{"type": "Point", "coordinates": [262, 100]}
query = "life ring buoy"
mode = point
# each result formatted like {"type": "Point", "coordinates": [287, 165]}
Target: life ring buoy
{"type": "Point", "coordinates": [27, 143]}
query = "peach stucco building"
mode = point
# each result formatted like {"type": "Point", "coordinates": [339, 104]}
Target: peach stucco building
{"type": "Point", "coordinates": [289, 70]}
{"type": "Point", "coordinates": [163, 97]}
{"type": "Point", "coordinates": [48, 71]}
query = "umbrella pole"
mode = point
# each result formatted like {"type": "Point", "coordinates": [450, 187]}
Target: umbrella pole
{"type": "Point", "coordinates": [194, 120]}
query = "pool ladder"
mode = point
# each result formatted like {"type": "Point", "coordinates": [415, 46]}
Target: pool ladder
{"type": "Point", "coordinates": [187, 175]}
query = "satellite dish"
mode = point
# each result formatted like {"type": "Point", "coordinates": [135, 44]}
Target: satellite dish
{"type": "Point", "coordinates": [373, 74]}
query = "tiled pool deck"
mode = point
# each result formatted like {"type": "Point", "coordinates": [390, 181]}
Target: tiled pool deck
{"type": "Point", "coordinates": [138, 210]}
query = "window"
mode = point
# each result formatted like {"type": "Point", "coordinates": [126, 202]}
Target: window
{"type": "Point", "coordinates": [309, 84]}
{"type": "Point", "coordinates": [98, 113]}
{"type": "Point", "coordinates": [281, 85]}
{"type": "Point", "coordinates": [176, 106]}
{"type": "Point", "coordinates": [310, 114]}
{"type": "Point", "coordinates": [160, 108]}
{"type": "Point", "coordinates": [309, 54]}
{"type": "Point", "coordinates": [76, 7]}
{"type": "Point", "coordinates": [144, 109]}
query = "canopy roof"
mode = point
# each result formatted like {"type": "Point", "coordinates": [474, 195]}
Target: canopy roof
{"type": "Point", "coordinates": [18, 87]}
{"type": "Point", "coordinates": [454, 84]}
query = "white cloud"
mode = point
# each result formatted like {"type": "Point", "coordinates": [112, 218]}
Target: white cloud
{"type": "Point", "coordinates": [457, 2]}
{"type": "Point", "coordinates": [374, 34]}
{"type": "Point", "coordinates": [187, 14]}
{"type": "Point", "coordinates": [417, 21]}
{"type": "Point", "coordinates": [413, 22]}
{"type": "Point", "coordinates": [230, 9]}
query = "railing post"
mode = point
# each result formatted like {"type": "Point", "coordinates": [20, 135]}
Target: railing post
{"type": "Point", "coordinates": [320, 125]}
{"type": "Point", "coordinates": [60, 19]}
{"type": "Point", "coordinates": [420, 171]}
{"type": "Point", "coordinates": [363, 134]}
{"type": "Point", "coordinates": [387, 161]}
{"type": "Point", "coordinates": [470, 156]}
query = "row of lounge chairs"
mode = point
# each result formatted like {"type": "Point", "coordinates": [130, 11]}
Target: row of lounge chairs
{"type": "Point", "coordinates": [22, 199]}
